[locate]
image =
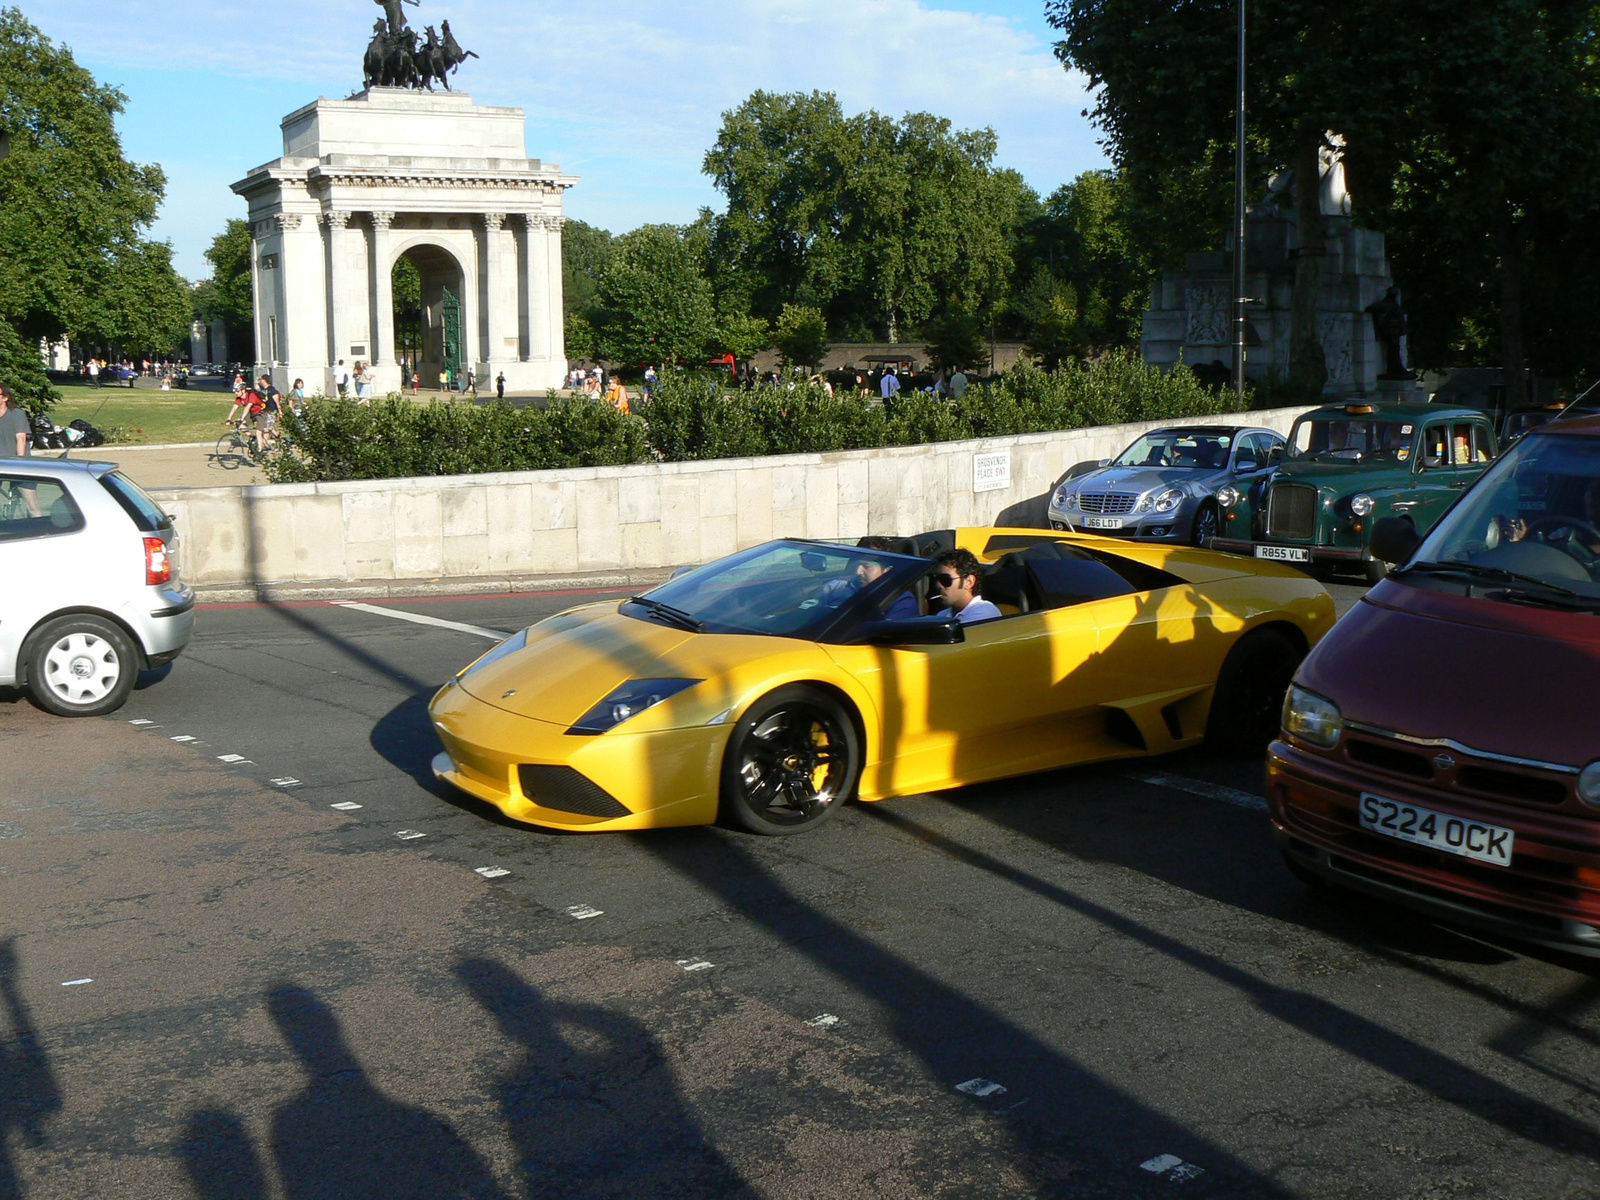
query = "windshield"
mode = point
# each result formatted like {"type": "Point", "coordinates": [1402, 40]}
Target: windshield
{"type": "Point", "coordinates": [1535, 513]}
{"type": "Point", "coordinates": [1178, 448]}
{"type": "Point", "coordinates": [1352, 439]}
{"type": "Point", "coordinates": [786, 589]}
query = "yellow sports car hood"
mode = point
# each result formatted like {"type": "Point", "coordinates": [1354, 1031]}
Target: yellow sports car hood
{"type": "Point", "coordinates": [571, 661]}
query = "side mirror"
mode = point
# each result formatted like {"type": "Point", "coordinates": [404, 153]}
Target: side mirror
{"type": "Point", "coordinates": [919, 631]}
{"type": "Point", "coordinates": [1394, 540]}
{"type": "Point", "coordinates": [1244, 465]}
{"type": "Point", "coordinates": [1275, 455]}
{"type": "Point", "coordinates": [1432, 462]}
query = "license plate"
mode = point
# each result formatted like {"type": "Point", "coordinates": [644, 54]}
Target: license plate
{"type": "Point", "coordinates": [1441, 831]}
{"type": "Point", "coordinates": [1102, 522]}
{"type": "Point", "coordinates": [1283, 553]}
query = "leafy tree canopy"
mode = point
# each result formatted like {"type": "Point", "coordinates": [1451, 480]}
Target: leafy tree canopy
{"type": "Point", "coordinates": [877, 222]}
{"type": "Point", "coordinates": [801, 335]}
{"type": "Point", "coordinates": [585, 251]}
{"type": "Point", "coordinates": [654, 303]}
{"type": "Point", "coordinates": [73, 259]}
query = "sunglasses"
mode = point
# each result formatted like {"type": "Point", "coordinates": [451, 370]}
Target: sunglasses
{"type": "Point", "coordinates": [947, 580]}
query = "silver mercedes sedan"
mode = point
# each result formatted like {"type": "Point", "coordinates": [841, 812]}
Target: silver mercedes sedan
{"type": "Point", "coordinates": [1164, 486]}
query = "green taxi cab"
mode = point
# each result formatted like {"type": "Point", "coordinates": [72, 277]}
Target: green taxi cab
{"type": "Point", "coordinates": [1347, 465]}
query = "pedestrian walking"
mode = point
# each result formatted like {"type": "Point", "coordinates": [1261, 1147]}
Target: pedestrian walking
{"type": "Point", "coordinates": [341, 380]}
{"type": "Point", "coordinates": [500, 386]}
{"type": "Point", "coordinates": [94, 372]}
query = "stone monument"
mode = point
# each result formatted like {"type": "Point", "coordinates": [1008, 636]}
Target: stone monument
{"type": "Point", "coordinates": [399, 172]}
{"type": "Point", "coordinates": [1191, 313]}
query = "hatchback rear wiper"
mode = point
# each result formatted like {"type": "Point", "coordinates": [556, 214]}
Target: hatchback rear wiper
{"type": "Point", "coordinates": [1484, 571]}
{"type": "Point", "coordinates": [672, 616]}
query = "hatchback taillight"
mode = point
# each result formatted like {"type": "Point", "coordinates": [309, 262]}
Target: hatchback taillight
{"type": "Point", "coordinates": [157, 562]}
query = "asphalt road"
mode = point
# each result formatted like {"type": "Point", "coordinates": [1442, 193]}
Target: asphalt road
{"type": "Point", "coordinates": [250, 949]}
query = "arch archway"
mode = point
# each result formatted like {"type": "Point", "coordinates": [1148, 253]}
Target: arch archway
{"type": "Point", "coordinates": [430, 293]}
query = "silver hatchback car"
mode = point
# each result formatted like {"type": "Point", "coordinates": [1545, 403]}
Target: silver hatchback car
{"type": "Point", "coordinates": [89, 587]}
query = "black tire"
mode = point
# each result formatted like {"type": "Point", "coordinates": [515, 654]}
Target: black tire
{"type": "Point", "coordinates": [81, 666]}
{"type": "Point", "coordinates": [229, 454]}
{"type": "Point", "coordinates": [792, 761]}
{"type": "Point", "coordinates": [1376, 570]}
{"type": "Point", "coordinates": [1206, 524]}
{"type": "Point", "coordinates": [1247, 708]}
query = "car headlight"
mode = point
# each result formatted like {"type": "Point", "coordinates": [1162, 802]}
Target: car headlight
{"type": "Point", "coordinates": [1067, 498]}
{"type": "Point", "coordinates": [1589, 784]}
{"type": "Point", "coordinates": [628, 700]}
{"type": "Point", "coordinates": [1312, 718]}
{"type": "Point", "coordinates": [1361, 504]}
{"type": "Point", "coordinates": [1168, 500]}
{"type": "Point", "coordinates": [510, 646]}
{"type": "Point", "coordinates": [1228, 496]}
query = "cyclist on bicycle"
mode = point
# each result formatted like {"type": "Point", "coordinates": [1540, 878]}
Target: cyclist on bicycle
{"type": "Point", "coordinates": [248, 407]}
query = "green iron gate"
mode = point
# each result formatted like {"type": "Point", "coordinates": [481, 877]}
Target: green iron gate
{"type": "Point", "coordinates": [452, 357]}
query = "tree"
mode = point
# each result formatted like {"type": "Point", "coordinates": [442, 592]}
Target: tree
{"type": "Point", "coordinates": [801, 335]}
{"type": "Point", "coordinates": [874, 221]}
{"type": "Point", "coordinates": [72, 209]}
{"type": "Point", "coordinates": [226, 296]}
{"type": "Point", "coordinates": [585, 251]}
{"type": "Point", "coordinates": [654, 302]}
{"type": "Point", "coordinates": [958, 339]}
{"type": "Point", "coordinates": [1470, 132]}
{"type": "Point", "coordinates": [742, 335]}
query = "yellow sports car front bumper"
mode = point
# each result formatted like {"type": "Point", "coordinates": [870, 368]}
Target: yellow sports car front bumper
{"type": "Point", "coordinates": [535, 771]}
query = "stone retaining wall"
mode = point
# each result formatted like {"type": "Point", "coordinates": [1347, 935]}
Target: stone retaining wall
{"type": "Point", "coordinates": [619, 518]}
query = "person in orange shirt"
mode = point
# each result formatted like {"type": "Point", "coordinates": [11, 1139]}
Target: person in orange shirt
{"type": "Point", "coordinates": [617, 396]}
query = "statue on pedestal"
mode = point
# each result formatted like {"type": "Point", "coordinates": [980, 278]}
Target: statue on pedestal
{"type": "Point", "coordinates": [394, 58]}
{"type": "Point", "coordinates": [1389, 324]}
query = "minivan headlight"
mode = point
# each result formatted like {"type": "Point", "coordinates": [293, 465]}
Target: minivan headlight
{"type": "Point", "coordinates": [1361, 504]}
{"type": "Point", "coordinates": [1311, 718]}
{"type": "Point", "coordinates": [1589, 784]}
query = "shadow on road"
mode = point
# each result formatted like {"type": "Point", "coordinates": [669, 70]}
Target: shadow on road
{"type": "Point", "coordinates": [29, 1095]}
{"type": "Point", "coordinates": [1453, 1083]}
{"type": "Point", "coordinates": [592, 1106]}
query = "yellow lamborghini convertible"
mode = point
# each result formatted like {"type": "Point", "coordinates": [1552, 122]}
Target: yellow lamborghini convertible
{"type": "Point", "coordinates": [770, 687]}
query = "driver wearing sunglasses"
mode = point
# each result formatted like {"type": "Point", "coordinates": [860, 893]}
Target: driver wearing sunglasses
{"type": "Point", "coordinates": [958, 579]}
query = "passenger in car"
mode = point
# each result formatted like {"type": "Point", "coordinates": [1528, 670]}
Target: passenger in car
{"type": "Point", "coordinates": [958, 578]}
{"type": "Point", "coordinates": [869, 570]}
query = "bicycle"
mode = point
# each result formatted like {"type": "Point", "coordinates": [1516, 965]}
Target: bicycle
{"type": "Point", "coordinates": [240, 445]}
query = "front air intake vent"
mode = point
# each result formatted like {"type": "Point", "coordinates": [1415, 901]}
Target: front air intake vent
{"type": "Point", "coordinates": [567, 790]}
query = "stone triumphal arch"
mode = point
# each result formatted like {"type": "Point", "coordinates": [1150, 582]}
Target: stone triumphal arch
{"type": "Point", "coordinates": [438, 181]}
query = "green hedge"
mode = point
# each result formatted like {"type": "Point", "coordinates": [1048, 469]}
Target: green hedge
{"type": "Point", "coordinates": [693, 418]}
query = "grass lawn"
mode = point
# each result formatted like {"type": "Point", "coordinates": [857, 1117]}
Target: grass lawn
{"type": "Point", "coordinates": [147, 416]}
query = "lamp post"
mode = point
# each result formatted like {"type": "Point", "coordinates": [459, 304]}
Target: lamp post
{"type": "Point", "coordinates": [1238, 221]}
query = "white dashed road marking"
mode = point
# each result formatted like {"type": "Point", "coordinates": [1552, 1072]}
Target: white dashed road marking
{"type": "Point", "coordinates": [582, 912]}
{"type": "Point", "coordinates": [1211, 791]}
{"type": "Point", "coordinates": [491, 872]}
{"type": "Point", "coordinates": [406, 835]}
{"type": "Point", "coordinates": [345, 806]}
{"type": "Point", "coordinates": [1172, 1168]}
{"type": "Point", "coordinates": [825, 1021]}
{"type": "Point", "coordinates": [286, 781]}
{"type": "Point", "coordinates": [494, 635]}
{"type": "Point", "coordinates": [76, 982]}
{"type": "Point", "coordinates": [694, 964]}
{"type": "Point", "coordinates": [184, 737]}
{"type": "Point", "coordinates": [234, 759]}
{"type": "Point", "coordinates": [141, 721]}
{"type": "Point", "coordinates": [981, 1087]}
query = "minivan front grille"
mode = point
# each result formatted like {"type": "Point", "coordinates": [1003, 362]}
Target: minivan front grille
{"type": "Point", "coordinates": [1292, 511]}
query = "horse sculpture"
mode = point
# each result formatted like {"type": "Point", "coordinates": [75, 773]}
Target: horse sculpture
{"type": "Point", "coordinates": [395, 59]}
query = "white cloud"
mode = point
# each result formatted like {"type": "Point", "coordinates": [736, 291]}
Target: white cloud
{"type": "Point", "coordinates": [627, 94]}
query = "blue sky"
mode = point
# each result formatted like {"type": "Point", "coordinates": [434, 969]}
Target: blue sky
{"type": "Point", "coordinates": [626, 94]}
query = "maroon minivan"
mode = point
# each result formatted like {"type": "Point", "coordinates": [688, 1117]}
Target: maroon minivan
{"type": "Point", "coordinates": [1441, 746]}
